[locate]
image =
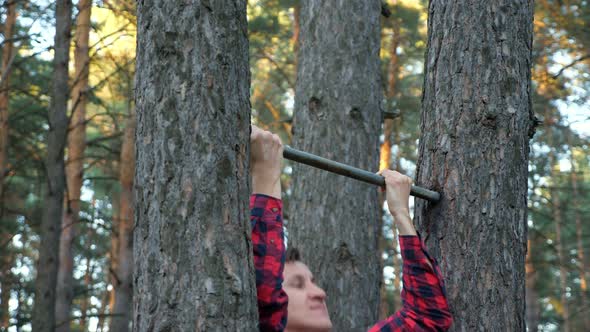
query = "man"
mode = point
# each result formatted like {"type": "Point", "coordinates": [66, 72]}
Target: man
{"type": "Point", "coordinates": [425, 306]}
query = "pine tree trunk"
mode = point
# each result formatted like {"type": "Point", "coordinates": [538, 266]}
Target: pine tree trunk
{"type": "Point", "coordinates": [7, 285]}
{"type": "Point", "coordinates": [558, 220]}
{"type": "Point", "coordinates": [334, 220]}
{"type": "Point", "coordinates": [74, 169]}
{"type": "Point", "coordinates": [193, 257]}
{"type": "Point", "coordinates": [45, 284]}
{"type": "Point", "coordinates": [6, 257]}
{"type": "Point", "coordinates": [583, 268]}
{"type": "Point", "coordinates": [124, 273]}
{"type": "Point", "coordinates": [86, 300]}
{"type": "Point", "coordinates": [296, 32]}
{"type": "Point", "coordinates": [474, 148]}
{"type": "Point", "coordinates": [7, 50]}
{"type": "Point", "coordinates": [533, 310]}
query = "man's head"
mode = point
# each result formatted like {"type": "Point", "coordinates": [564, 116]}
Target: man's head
{"type": "Point", "coordinates": [307, 309]}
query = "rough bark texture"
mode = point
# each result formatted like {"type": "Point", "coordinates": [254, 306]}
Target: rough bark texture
{"type": "Point", "coordinates": [45, 284]}
{"type": "Point", "coordinates": [192, 249]}
{"type": "Point", "coordinates": [334, 220]}
{"type": "Point", "coordinates": [123, 282]}
{"type": "Point", "coordinates": [474, 147]}
{"type": "Point", "coordinates": [74, 169]}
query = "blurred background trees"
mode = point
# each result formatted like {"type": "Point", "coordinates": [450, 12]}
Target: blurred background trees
{"type": "Point", "coordinates": [559, 179]}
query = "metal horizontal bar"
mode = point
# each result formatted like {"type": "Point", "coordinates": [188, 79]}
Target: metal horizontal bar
{"type": "Point", "coordinates": [351, 172]}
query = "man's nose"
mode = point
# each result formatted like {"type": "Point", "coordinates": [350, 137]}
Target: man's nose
{"type": "Point", "coordinates": [317, 292]}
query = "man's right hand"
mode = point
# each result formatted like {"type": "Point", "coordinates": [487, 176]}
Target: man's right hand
{"type": "Point", "coordinates": [266, 155]}
{"type": "Point", "coordinates": [398, 188]}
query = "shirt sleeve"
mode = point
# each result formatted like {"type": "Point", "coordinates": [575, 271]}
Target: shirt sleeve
{"type": "Point", "coordinates": [266, 218]}
{"type": "Point", "coordinates": [424, 302]}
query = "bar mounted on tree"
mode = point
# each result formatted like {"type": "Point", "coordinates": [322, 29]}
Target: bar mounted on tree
{"type": "Point", "coordinates": [351, 172]}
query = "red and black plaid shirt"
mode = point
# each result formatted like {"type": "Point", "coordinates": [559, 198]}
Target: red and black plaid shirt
{"type": "Point", "coordinates": [425, 306]}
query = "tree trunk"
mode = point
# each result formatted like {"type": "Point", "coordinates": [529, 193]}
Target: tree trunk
{"type": "Point", "coordinates": [100, 326]}
{"type": "Point", "coordinates": [124, 273]}
{"type": "Point", "coordinates": [533, 309]}
{"type": "Point", "coordinates": [582, 268]}
{"type": "Point", "coordinates": [7, 51]}
{"type": "Point", "coordinates": [6, 258]}
{"type": "Point", "coordinates": [476, 124]}
{"type": "Point", "coordinates": [87, 286]}
{"type": "Point", "coordinates": [334, 220]}
{"type": "Point", "coordinates": [45, 284]}
{"type": "Point", "coordinates": [558, 220]}
{"type": "Point", "coordinates": [296, 32]}
{"type": "Point", "coordinates": [74, 169]}
{"type": "Point", "coordinates": [385, 162]}
{"type": "Point", "coordinates": [8, 280]}
{"type": "Point", "coordinates": [193, 256]}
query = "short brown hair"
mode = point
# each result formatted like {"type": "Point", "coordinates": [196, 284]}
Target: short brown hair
{"type": "Point", "coordinates": [293, 255]}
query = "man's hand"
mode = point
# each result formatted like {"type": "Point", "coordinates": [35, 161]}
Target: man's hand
{"type": "Point", "coordinates": [398, 200]}
{"type": "Point", "coordinates": [266, 155]}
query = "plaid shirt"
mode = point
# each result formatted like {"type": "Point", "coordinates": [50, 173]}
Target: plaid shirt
{"type": "Point", "coordinates": [425, 306]}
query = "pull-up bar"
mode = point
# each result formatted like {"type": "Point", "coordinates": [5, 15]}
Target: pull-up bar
{"type": "Point", "coordinates": [351, 172]}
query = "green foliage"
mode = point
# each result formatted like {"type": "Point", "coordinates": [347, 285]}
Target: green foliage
{"type": "Point", "coordinates": [561, 86]}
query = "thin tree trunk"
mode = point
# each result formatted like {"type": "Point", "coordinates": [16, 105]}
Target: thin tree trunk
{"type": "Point", "coordinates": [533, 309]}
{"type": "Point", "coordinates": [114, 256]}
{"type": "Point", "coordinates": [476, 124]}
{"type": "Point", "coordinates": [389, 129]}
{"type": "Point", "coordinates": [583, 268]}
{"type": "Point", "coordinates": [123, 287]}
{"type": "Point", "coordinates": [7, 259]}
{"type": "Point", "coordinates": [7, 285]}
{"type": "Point", "coordinates": [85, 300]}
{"type": "Point", "coordinates": [338, 116]}
{"type": "Point", "coordinates": [100, 326]}
{"type": "Point", "coordinates": [558, 220]}
{"type": "Point", "coordinates": [193, 257]}
{"type": "Point", "coordinates": [74, 169]}
{"type": "Point", "coordinates": [296, 32]}
{"type": "Point", "coordinates": [7, 50]}
{"type": "Point", "coordinates": [45, 284]}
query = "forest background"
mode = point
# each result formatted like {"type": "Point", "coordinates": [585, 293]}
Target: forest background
{"type": "Point", "coordinates": [559, 181]}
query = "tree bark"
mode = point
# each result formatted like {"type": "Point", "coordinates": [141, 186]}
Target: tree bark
{"type": "Point", "coordinates": [45, 284]}
{"type": "Point", "coordinates": [476, 124]}
{"type": "Point", "coordinates": [123, 282]}
{"type": "Point", "coordinates": [296, 32]}
{"type": "Point", "coordinates": [74, 169]}
{"type": "Point", "coordinates": [6, 258]}
{"type": "Point", "coordinates": [7, 53]}
{"type": "Point", "coordinates": [192, 249]}
{"type": "Point", "coordinates": [334, 221]}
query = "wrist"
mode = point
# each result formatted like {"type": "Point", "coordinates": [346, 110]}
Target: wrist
{"type": "Point", "coordinates": [401, 213]}
{"type": "Point", "coordinates": [404, 224]}
{"type": "Point", "coordinates": [266, 186]}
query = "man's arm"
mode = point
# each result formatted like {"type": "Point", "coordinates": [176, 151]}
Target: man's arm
{"type": "Point", "coordinates": [425, 306]}
{"type": "Point", "coordinates": [266, 217]}
{"type": "Point", "coordinates": [424, 303]}
{"type": "Point", "coordinates": [269, 260]}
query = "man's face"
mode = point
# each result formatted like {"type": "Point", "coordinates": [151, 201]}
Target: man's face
{"type": "Point", "coordinates": [307, 309]}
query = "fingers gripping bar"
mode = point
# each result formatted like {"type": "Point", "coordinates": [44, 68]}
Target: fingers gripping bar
{"type": "Point", "coordinates": [351, 172]}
